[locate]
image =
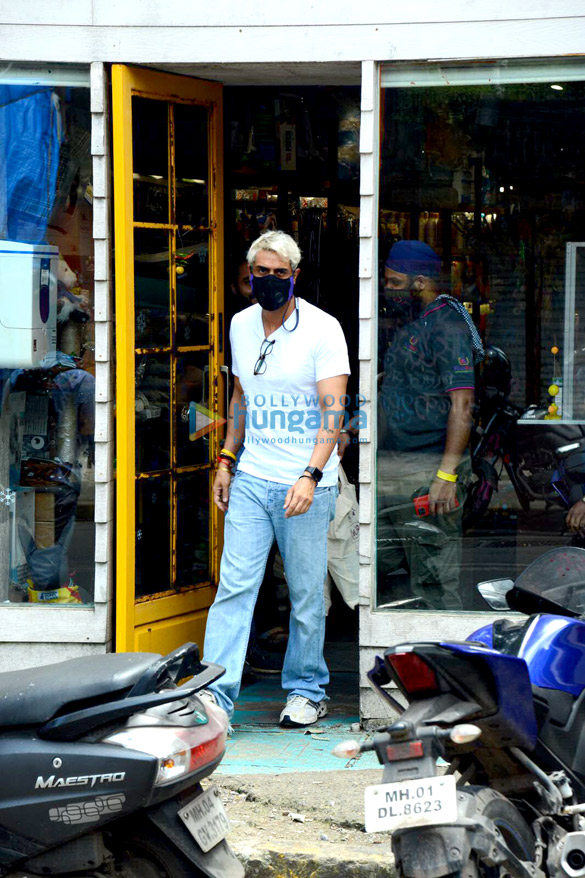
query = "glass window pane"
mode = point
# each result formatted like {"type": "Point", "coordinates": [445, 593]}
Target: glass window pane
{"type": "Point", "coordinates": [482, 207]}
{"type": "Point", "coordinates": [191, 163]}
{"type": "Point", "coordinates": [192, 289]}
{"type": "Point", "coordinates": [152, 288]}
{"type": "Point", "coordinates": [150, 153]}
{"type": "Point", "coordinates": [153, 522]}
{"type": "Point", "coordinates": [153, 407]}
{"type": "Point", "coordinates": [193, 419]}
{"type": "Point", "coordinates": [47, 341]}
{"type": "Point", "coordinates": [193, 528]}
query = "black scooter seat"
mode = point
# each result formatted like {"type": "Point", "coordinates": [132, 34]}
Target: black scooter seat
{"type": "Point", "coordinates": [35, 695]}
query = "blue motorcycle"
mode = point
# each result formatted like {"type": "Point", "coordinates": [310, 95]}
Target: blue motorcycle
{"type": "Point", "coordinates": [505, 712]}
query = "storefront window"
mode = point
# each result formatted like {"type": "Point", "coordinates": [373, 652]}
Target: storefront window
{"type": "Point", "coordinates": [47, 363]}
{"type": "Point", "coordinates": [481, 359]}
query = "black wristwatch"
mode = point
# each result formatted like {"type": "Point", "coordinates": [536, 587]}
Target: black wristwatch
{"type": "Point", "coordinates": [316, 474]}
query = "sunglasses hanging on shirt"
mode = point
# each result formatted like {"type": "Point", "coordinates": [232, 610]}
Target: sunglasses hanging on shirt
{"type": "Point", "coordinates": [265, 349]}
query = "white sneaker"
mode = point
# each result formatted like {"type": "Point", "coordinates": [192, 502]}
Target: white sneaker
{"type": "Point", "coordinates": [300, 711]}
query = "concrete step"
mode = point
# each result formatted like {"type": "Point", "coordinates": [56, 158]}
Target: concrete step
{"type": "Point", "coordinates": [307, 824]}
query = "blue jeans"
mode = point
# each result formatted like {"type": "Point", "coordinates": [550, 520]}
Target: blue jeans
{"type": "Point", "coordinates": [255, 518]}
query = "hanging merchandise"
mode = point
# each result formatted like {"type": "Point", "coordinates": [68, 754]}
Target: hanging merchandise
{"type": "Point", "coordinates": [48, 566]}
{"type": "Point", "coordinates": [288, 147]}
{"type": "Point", "coordinates": [312, 222]}
{"type": "Point", "coordinates": [30, 134]}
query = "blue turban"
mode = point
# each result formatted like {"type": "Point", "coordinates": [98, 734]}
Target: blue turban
{"type": "Point", "coordinates": [414, 257]}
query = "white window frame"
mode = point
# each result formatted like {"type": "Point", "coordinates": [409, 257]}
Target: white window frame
{"type": "Point", "coordinates": [74, 626]}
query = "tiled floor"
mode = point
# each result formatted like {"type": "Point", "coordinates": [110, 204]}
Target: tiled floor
{"type": "Point", "coordinates": [260, 746]}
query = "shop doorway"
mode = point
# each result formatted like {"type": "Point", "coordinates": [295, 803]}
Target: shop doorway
{"type": "Point", "coordinates": [291, 162]}
{"type": "Point", "coordinates": [170, 389]}
{"type": "Point", "coordinates": [189, 199]}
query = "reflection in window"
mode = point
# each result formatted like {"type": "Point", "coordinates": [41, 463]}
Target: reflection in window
{"type": "Point", "coordinates": [486, 180]}
{"type": "Point", "coordinates": [47, 364]}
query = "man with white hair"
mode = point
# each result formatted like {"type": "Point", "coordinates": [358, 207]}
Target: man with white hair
{"type": "Point", "coordinates": [290, 366]}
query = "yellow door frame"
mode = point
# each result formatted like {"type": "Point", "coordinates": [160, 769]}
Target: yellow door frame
{"type": "Point", "coordinates": [192, 603]}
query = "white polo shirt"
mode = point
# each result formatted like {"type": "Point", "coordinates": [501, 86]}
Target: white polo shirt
{"type": "Point", "coordinates": [283, 413]}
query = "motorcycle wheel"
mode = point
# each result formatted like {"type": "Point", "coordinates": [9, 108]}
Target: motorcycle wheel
{"type": "Point", "coordinates": [146, 853]}
{"type": "Point", "coordinates": [515, 831]}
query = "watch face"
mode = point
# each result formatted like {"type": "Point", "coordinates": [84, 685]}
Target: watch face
{"type": "Point", "coordinates": [314, 472]}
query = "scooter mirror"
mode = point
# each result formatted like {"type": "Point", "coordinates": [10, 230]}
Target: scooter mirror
{"type": "Point", "coordinates": [494, 592]}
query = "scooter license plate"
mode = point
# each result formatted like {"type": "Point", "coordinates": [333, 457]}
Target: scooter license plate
{"type": "Point", "coordinates": [423, 802]}
{"type": "Point", "coordinates": [206, 819]}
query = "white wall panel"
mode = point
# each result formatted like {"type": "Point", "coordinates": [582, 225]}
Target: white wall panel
{"type": "Point", "coordinates": [18, 656]}
{"type": "Point", "coordinates": [46, 12]}
{"type": "Point", "coordinates": [226, 13]}
{"type": "Point", "coordinates": [53, 624]}
{"type": "Point", "coordinates": [328, 43]}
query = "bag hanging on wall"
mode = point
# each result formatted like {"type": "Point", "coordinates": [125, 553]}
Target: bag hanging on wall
{"type": "Point", "coordinates": [342, 545]}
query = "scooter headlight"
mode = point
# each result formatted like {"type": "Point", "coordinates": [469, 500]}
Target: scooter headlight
{"type": "Point", "coordinates": [180, 751]}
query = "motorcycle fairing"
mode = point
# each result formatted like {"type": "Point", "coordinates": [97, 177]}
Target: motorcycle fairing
{"type": "Point", "coordinates": [43, 806]}
{"type": "Point", "coordinates": [554, 651]}
{"type": "Point", "coordinates": [561, 738]}
{"type": "Point", "coordinates": [515, 720]}
{"type": "Point", "coordinates": [495, 681]}
{"type": "Point", "coordinates": [552, 646]}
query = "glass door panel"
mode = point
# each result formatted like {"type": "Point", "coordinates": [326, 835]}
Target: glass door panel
{"type": "Point", "coordinates": [153, 413]}
{"type": "Point", "coordinates": [193, 528]}
{"type": "Point", "coordinates": [169, 298]}
{"type": "Point", "coordinates": [191, 164]}
{"type": "Point", "coordinates": [192, 284]}
{"type": "Point", "coordinates": [153, 535]}
{"type": "Point", "coordinates": [192, 383]}
{"type": "Point", "coordinates": [152, 290]}
{"type": "Point", "coordinates": [150, 159]}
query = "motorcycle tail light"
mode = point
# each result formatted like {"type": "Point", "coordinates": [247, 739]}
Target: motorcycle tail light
{"type": "Point", "coordinates": [180, 751]}
{"type": "Point", "coordinates": [415, 675]}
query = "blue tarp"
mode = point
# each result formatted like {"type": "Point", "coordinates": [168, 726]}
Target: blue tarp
{"type": "Point", "coordinates": [30, 135]}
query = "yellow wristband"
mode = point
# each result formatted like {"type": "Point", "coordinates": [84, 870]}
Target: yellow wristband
{"type": "Point", "coordinates": [446, 477]}
{"type": "Point", "coordinates": [229, 453]}
{"type": "Point", "coordinates": [225, 469]}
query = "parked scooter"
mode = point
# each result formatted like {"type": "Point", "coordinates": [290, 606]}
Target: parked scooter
{"type": "Point", "coordinates": [505, 709]}
{"type": "Point", "coordinates": [101, 759]}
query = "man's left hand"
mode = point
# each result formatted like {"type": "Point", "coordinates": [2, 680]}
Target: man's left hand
{"type": "Point", "coordinates": [299, 497]}
{"type": "Point", "coordinates": [442, 497]}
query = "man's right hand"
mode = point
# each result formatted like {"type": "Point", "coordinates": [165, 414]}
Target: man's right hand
{"type": "Point", "coordinates": [576, 517]}
{"type": "Point", "coordinates": [442, 497]}
{"type": "Point", "coordinates": [221, 489]}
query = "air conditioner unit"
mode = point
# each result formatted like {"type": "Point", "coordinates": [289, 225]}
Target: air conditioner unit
{"type": "Point", "coordinates": [28, 303]}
